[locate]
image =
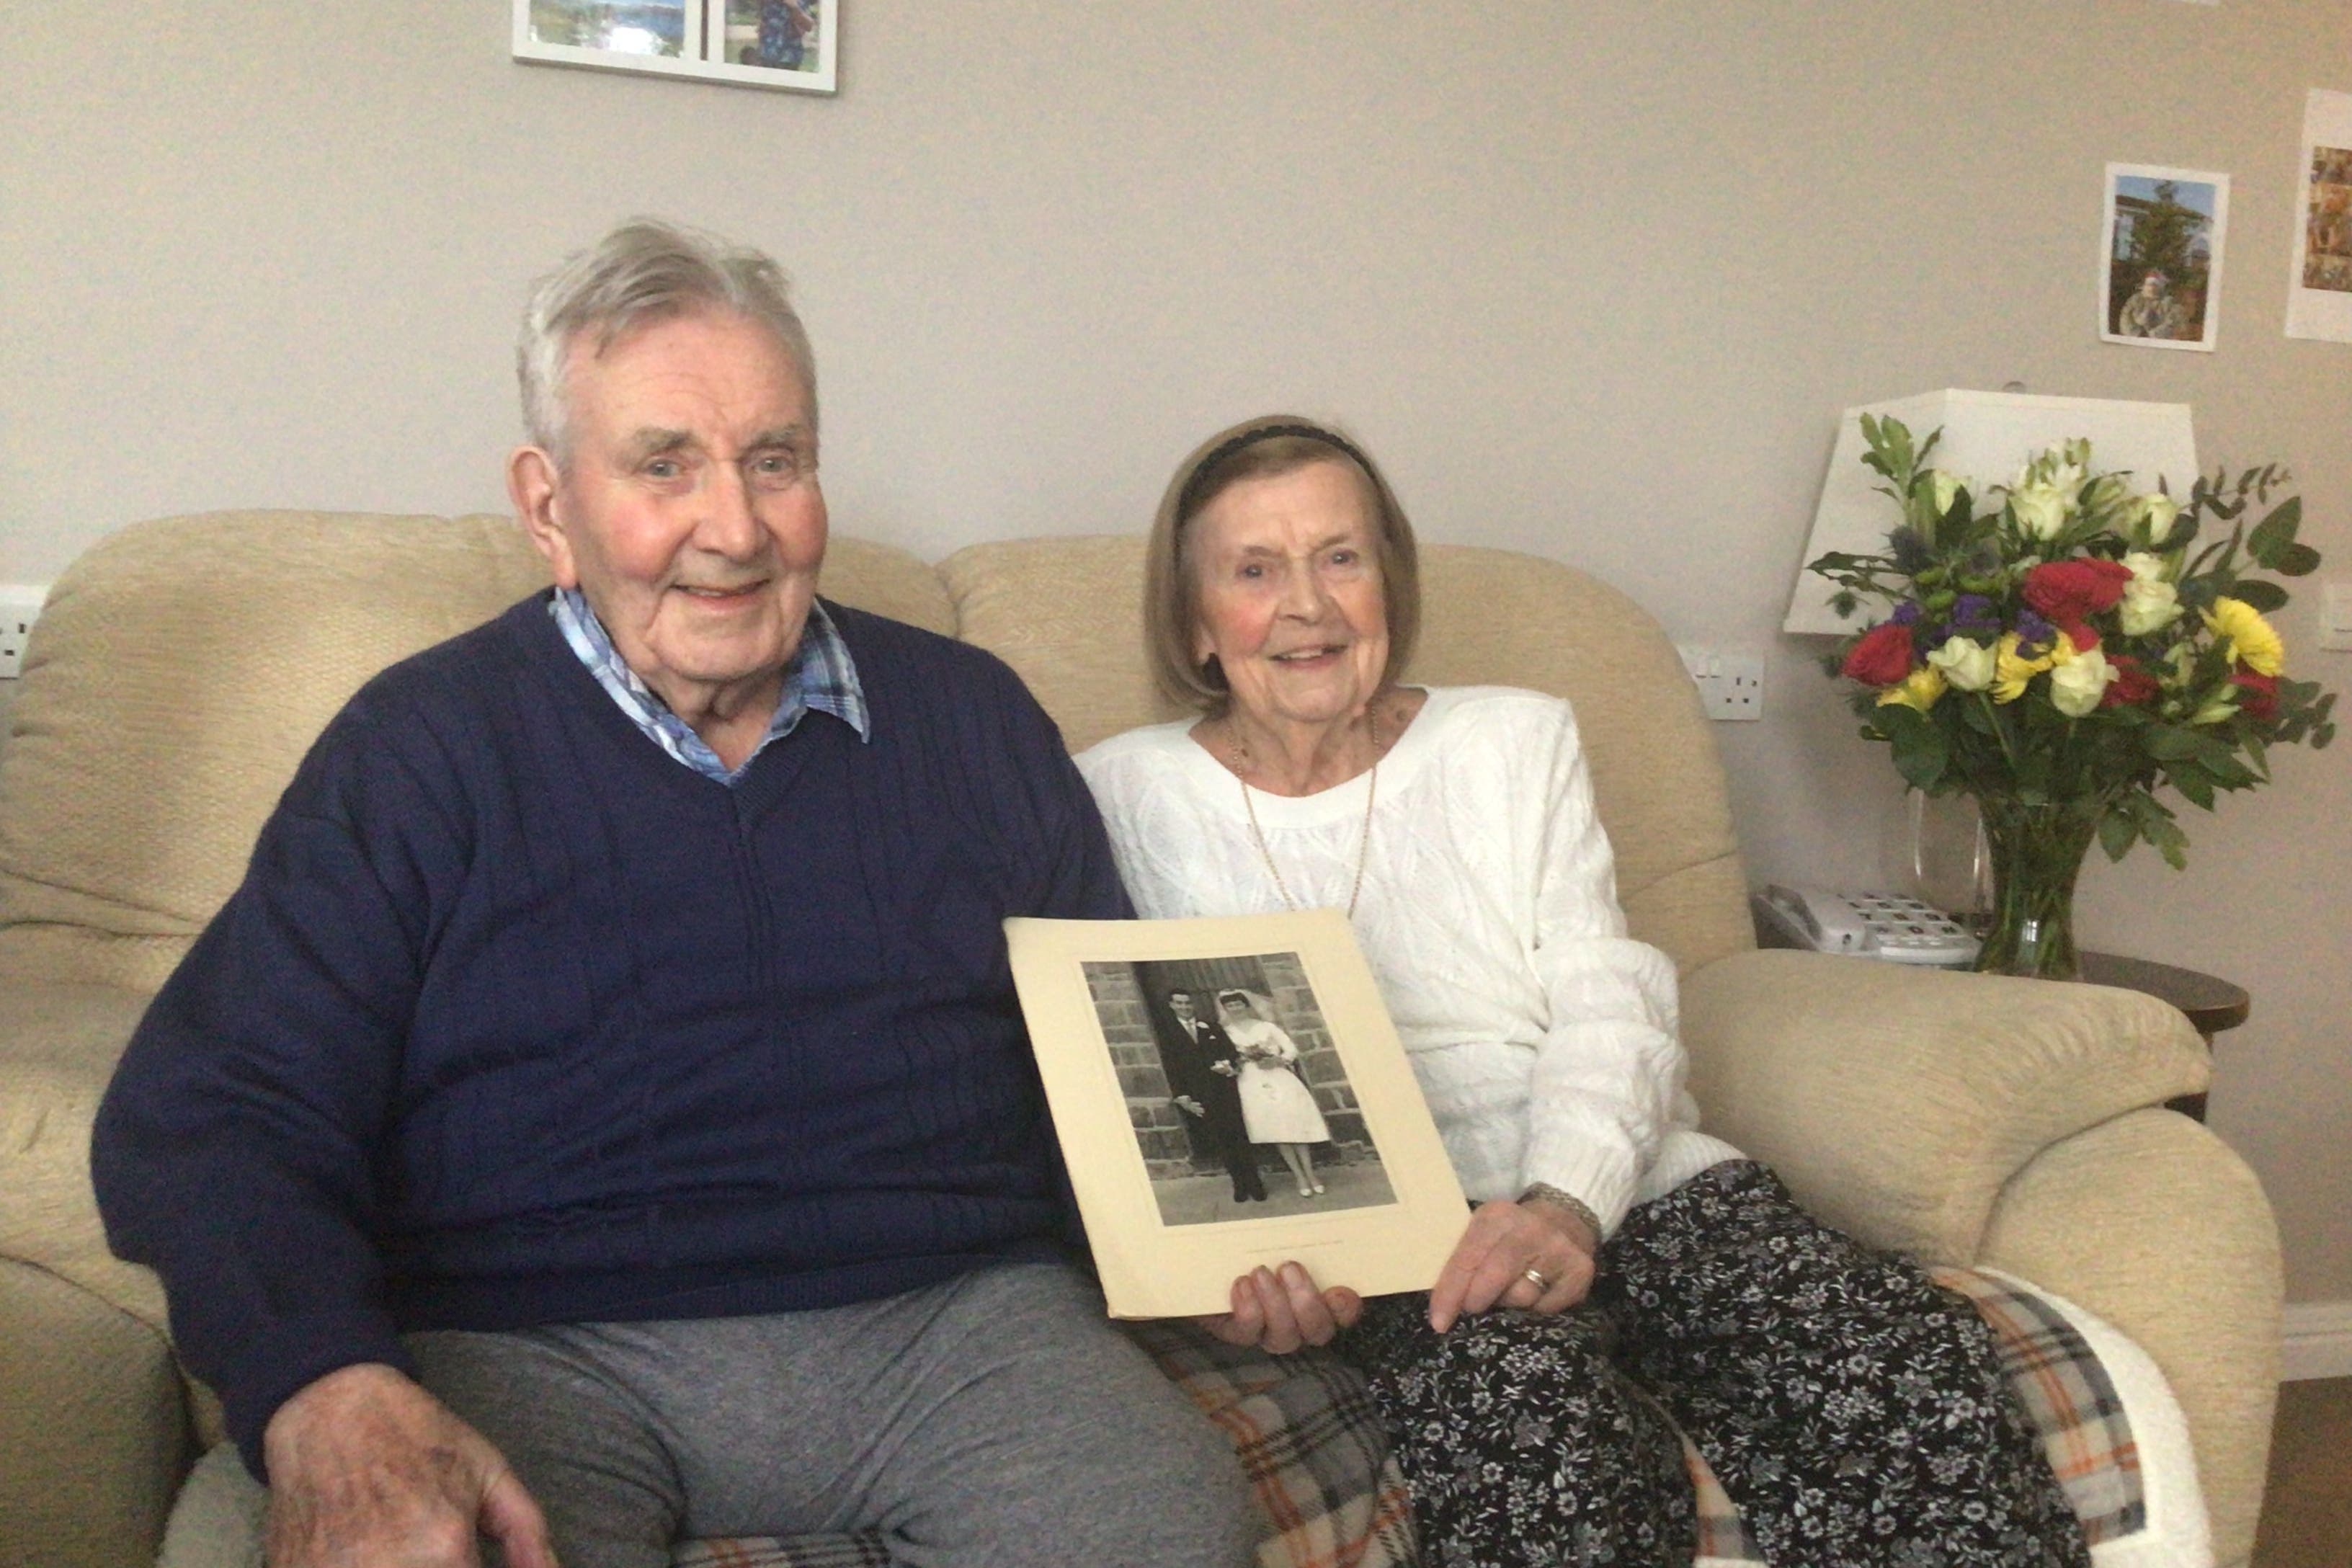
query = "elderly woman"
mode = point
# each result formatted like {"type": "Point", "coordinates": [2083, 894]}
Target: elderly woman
{"type": "Point", "coordinates": [1620, 1265]}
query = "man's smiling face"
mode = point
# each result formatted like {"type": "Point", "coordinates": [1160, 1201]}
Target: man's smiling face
{"type": "Point", "coordinates": [685, 507]}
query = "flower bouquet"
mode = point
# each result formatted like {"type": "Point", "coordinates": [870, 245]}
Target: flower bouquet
{"type": "Point", "coordinates": [2058, 652]}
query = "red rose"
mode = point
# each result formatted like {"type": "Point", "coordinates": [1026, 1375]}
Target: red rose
{"type": "Point", "coordinates": [2257, 695]}
{"type": "Point", "coordinates": [2131, 684]}
{"type": "Point", "coordinates": [1882, 655]}
{"type": "Point", "coordinates": [2065, 592]}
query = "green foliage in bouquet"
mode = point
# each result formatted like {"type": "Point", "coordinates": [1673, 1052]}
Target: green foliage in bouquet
{"type": "Point", "coordinates": [2065, 645]}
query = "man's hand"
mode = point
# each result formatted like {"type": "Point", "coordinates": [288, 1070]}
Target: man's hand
{"type": "Point", "coordinates": [1280, 1311]}
{"type": "Point", "coordinates": [1188, 1106]}
{"type": "Point", "coordinates": [368, 1470]}
{"type": "Point", "coordinates": [1224, 1066]}
{"type": "Point", "coordinates": [1490, 1264]}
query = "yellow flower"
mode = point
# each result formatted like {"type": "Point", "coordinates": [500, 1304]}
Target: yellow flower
{"type": "Point", "coordinates": [2251, 640]}
{"type": "Point", "coordinates": [2011, 671]}
{"type": "Point", "coordinates": [1917, 689]}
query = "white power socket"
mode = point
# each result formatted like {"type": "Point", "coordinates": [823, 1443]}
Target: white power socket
{"type": "Point", "coordinates": [2336, 615]}
{"type": "Point", "coordinates": [1730, 681]}
{"type": "Point", "coordinates": [20, 607]}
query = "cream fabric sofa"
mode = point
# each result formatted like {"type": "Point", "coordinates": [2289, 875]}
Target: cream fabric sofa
{"type": "Point", "coordinates": [183, 666]}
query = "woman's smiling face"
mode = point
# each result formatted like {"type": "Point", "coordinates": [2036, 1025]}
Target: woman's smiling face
{"type": "Point", "coordinates": [1290, 602]}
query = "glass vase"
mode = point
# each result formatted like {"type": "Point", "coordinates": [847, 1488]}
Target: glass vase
{"type": "Point", "coordinates": [2037, 852]}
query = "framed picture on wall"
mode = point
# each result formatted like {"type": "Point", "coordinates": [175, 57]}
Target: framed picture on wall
{"type": "Point", "coordinates": [2160, 257]}
{"type": "Point", "coordinates": [788, 43]}
{"type": "Point", "coordinates": [1229, 1093]}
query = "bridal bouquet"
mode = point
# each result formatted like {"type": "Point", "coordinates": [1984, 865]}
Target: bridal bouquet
{"type": "Point", "coordinates": [2062, 649]}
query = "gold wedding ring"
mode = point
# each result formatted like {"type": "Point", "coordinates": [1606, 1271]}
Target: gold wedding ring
{"type": "Point", "coordinates": [1535, 1277]}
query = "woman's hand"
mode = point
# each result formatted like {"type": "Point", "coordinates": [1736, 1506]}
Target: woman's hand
{"type": "Point", "coordinates": [1280, 1310]}
{"type": "Point", "coordinates": [1491, 1264]}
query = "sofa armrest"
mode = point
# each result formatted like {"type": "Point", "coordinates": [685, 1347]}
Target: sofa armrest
{"type": "Point", "coordinates": [93, 1413]}
{"type": "Point", "coordinates": [1896, 1101]}
{"type": "Point", "coordinates": [93, 1423]}
{"type": "Point", "coordinates": [58, 1045]}
{"type": "Point", "coordinates": [2154, 1223]}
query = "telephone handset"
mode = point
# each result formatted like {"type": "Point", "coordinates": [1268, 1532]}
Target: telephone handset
{"type": "Point", "coordinates": [1874, 925]}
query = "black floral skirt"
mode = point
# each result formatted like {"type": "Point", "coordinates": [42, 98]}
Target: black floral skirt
{"type": "Point", "coordinates": [1855, 1411]}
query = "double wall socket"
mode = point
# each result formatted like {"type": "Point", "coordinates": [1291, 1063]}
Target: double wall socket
{"type": "Point", "coordinates": [2336, 615]}
{"type": "Point", "coordinates": [20, 607]}
{"type": "Point", "coordinates": [1730, 681]}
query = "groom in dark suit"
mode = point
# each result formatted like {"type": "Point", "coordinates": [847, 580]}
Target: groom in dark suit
{"type": "Point", "coordinates": [1204, 1076]}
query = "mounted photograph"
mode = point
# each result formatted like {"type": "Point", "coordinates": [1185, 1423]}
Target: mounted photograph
{"type": "Point", "coordinates": [790, 45]}
{"type": "Point", "coordinates": [1231, 1092]}
{"type": "Point", "coordinates": [2160, 261]}
{"type": "Point", "coordinates": [773, 35]}
{"type": "Point", "coordinates": [1253, 1106]}
{"type": "Point", "coordinates": [2319, 287]}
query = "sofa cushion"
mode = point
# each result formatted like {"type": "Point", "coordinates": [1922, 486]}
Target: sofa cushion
{"type": "Point", "coordinates": [179, 671]}
{"type": "Point", "coordinates": [182, 666]}
{"type": "Point", "coordinates": [1068, 616]}
{"type": "Point", "coordinates": [1067, 613]}
{"type": "Point", "coordinates": [1498, 615]}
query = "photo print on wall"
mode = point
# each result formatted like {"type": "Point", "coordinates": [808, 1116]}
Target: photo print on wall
{"type": "Point", "coordinates": [2160, 259]}
{"type": "Point", "coordinates": [2319, 289]}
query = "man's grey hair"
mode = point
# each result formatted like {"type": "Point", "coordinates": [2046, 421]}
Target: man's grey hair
{"type": "Point", "coordinates": [643, 273]}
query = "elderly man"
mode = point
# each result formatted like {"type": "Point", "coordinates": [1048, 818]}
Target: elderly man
{"type": "Point", "coordinates": [602, 1115]}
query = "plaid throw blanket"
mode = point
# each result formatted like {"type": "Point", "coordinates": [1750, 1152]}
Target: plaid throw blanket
{"type": "Point", "coordinates": [1311, 1442]}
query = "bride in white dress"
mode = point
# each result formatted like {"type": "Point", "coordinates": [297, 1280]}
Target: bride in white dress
{"type": "Point", "coordinates": [1277, 1108]}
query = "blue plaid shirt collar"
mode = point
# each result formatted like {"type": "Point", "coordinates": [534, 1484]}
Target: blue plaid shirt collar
{"type": "Point", "coordinates": [821, 675]}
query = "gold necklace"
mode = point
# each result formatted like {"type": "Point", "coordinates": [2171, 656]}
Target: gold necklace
{"type": "Point", "coordinates": [1363, 838]}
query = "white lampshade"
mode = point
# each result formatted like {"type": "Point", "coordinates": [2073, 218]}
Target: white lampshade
{"type": "Point", "coordinates": [1987, 437]}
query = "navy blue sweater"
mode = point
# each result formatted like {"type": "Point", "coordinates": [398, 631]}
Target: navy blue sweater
{"type": "Point", "coordinates": [515, 1020]}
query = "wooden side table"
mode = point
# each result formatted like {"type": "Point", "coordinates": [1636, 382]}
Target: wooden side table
{"type": "Point", "coordinates": [2211, 1003]}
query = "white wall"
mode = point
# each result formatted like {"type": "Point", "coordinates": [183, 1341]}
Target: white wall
{"type": "Point", "coordinates": [1595, 281]}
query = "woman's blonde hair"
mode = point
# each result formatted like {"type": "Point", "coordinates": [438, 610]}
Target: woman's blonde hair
{"type": "Point", "coordinates": [1262, 448]}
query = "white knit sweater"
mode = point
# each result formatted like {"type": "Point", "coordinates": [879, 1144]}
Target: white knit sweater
{"type": "Point", "coordinates": [1543, 1036]}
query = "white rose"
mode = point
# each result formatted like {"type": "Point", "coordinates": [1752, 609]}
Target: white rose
{"type": "Point", "coordinates": [2076, 686]}
{"type": "Point", "coordinates": [1945, 489]}
{"type": "Point", "coordinates": [2106, 492]}
{"type": "Point", "coordinates": [1967, 666]}
{"type": "Point", "coordinates": [2150, 603]}
{"type": "Point", "coordinates": [2152, 516]}
{"type": "Point", "coordinates": [2040, 509]}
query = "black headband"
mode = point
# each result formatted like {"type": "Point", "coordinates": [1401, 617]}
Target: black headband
{"type": "Point", "coordinates": [1190, 495]}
